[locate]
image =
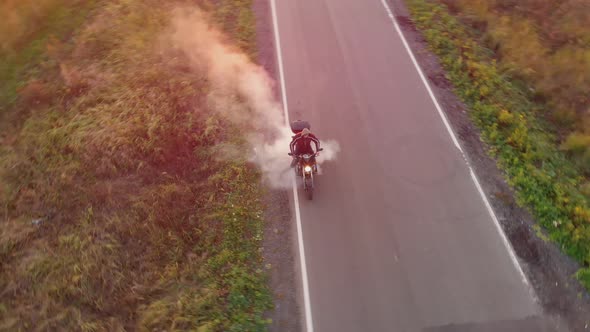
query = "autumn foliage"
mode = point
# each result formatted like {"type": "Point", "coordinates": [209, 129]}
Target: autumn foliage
{"type": "Point", "coordinates": [546, 44]}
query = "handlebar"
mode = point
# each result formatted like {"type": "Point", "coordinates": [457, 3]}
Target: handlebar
{"type": "Point", "coordinates": [315, 154]}
{"type": "Point", "coordinates": [301, 155]}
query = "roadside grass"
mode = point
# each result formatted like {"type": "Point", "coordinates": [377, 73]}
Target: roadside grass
{"type": "Point", "coordinates": [545, 181]}
{"type": "Point", "coordinates": [116, 213]}
{"type": "Point", "coordinates": [546, 45]}
{"type": "Point", "coordinates": [237, 18]}
{"type": "Point", "coordinates": [25, 31]}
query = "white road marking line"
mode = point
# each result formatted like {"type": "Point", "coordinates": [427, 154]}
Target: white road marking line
{"type": "Point", "coordinates": [306, 300]}
{"type": "Point", "coordinates": [453, 137]}
{"type": "Point", "coordinates": [498, 227]}
{"type": "Point", "coordinates": [438, 108]}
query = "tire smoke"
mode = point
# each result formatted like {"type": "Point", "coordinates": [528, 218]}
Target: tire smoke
{"type": "Point", "coordinates": [241, 92]}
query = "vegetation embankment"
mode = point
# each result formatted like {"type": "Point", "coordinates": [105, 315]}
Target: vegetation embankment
{"type": "Point", "coordinates": [116, 213]}
{"type": "Point", "coordinates": [523, 69]}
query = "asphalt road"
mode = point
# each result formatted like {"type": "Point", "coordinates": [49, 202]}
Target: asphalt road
{"type": "Point", "coordinates": [398, 237]}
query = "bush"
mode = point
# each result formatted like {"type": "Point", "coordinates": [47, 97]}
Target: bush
{"type": "Point", "coordinates": [547, 45]}
{"type": "Point", "coordinates": [576, 143]}
{"type": "Point", "coordinates": [505, 118]}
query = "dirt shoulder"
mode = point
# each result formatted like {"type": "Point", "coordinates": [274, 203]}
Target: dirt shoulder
{"type": "Point", "coordinates": [280, 248]}
{"type": "Point", "coordinates": [550, 272]}
{"type": "Point", "coordinates": [280, 262]}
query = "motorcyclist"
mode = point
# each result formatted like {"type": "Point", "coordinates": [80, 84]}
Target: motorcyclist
{"type": "Point", "coordinates": [301, 144]}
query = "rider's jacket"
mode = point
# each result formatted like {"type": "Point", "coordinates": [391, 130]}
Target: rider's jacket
{"type": "Point", "coordinates": [302, 144]}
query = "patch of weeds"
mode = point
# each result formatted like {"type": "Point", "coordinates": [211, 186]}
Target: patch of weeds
{"type": "Point", "coordinates": [540, 234]}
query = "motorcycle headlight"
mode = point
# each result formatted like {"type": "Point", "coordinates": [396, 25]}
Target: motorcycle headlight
{"type": "Point", "coordinates": [307, 169]}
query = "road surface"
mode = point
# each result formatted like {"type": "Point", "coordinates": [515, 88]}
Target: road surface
{"type": "Point", "coordinates": [398, 236]}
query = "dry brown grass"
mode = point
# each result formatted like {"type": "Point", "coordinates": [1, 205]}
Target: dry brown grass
{"type": "Point", "coordinates": [115, 216]}
{"type": "Point", "coordinates": [546, 44]}
{"type": "Point", "coordinates": [21, 19]}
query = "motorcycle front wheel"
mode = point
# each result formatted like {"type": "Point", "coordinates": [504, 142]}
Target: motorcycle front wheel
{"type": "Point", "coordinates": [309, 187]}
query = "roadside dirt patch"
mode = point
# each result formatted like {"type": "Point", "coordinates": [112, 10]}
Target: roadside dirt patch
{"type": "Point", "coordinates": [405, 22]}
{"type": "Point", "coordinates": [439, 80]}
{"type": "Point", "coordinates": [279, 260]}
{"type": "Point", "coordinates": [279, 247]}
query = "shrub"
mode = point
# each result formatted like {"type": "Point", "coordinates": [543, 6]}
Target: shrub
{"type": "Point", "coordinates": [576, 143]}
{"type": "Point", "coordinates": [505, 118]}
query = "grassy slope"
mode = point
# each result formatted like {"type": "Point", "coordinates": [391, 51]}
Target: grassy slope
{"type": "Point", "coordinates": [115, 213]}
{"type": "Point", "coordinates": [24, 40]}
{"type": "Point", "coordinates": [545, 181]}
{"type": "Point", "coordinates": [547, 45]}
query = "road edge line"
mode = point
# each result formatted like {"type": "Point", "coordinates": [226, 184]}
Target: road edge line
{"type": "Point", "coordinates": [456, 142]}
{"type": "Point", "coordinates": [302, 261]}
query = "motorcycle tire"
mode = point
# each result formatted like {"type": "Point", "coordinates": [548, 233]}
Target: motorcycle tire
{"type": "Point", "coordinates": [309, 188]}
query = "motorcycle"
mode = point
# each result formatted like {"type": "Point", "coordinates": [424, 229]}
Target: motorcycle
{"type": "Point", "coordinates": [306, 167]}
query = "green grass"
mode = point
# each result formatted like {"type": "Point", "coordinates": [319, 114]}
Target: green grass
{"type": "Point", "coordinates": [545, 181]}
{"type": "Point", "coordinates": [241, 215]}
{"type": "Point", "coordinates": [237, 18]}
{"type": "Point", "coordinates": [138, 226]}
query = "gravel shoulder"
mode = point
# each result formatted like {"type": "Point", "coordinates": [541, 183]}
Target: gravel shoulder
{"type": "Point", "coordinates": [280, 247]}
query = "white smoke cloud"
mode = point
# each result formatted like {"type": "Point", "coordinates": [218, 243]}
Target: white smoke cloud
{"type": "Point", "coordinates": [242, 92]}
{"type": "Point", "coordinates": [273, 159]}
